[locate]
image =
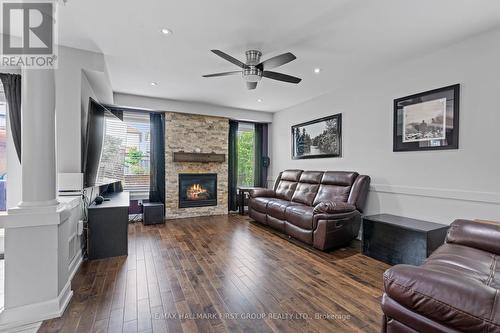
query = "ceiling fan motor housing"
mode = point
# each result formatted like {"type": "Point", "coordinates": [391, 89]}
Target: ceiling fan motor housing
{"type": "Point", "coordinates": [253, 57]}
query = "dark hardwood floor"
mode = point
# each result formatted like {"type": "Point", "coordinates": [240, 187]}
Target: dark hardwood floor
{"type": "Point", "coordinates": [223, 274]}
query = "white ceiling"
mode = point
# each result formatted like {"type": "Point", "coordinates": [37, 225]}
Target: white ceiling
{"type": "Point", "coordinates": [342, 37]}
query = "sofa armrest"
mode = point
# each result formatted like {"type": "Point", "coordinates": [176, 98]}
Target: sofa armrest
{"type": "Point", "coordinates": [479, 235]}
{"type": "Point", "coordinates": [330, 207]}
{"type": "Point", "coordinates": [335, 230]}
{"type": "Point", "coordinates": [262, 192]}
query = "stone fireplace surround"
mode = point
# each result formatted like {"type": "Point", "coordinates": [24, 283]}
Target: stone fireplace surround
{"type": "Point", "coordinates": [200, 134]}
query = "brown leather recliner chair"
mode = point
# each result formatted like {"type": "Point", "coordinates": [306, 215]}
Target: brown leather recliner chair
{"type": "Point", "coordinates": [319, 208]}
{"type": "Point", "coordinates": [457, 289]}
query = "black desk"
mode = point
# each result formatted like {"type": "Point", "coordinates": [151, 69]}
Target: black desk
{"type": "Point", "coordinates": [400, 240]}
{"type": "Point", "coordinates": [108, 227]}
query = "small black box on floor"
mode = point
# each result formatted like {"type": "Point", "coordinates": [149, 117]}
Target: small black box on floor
{"type": "Point", "coordinates": [401, 240]}
{"type": "Point", "coordinates": [153, 213]}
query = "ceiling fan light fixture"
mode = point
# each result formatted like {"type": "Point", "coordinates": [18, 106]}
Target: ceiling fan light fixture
{"type": "Point", "coordinates": [252, 74]}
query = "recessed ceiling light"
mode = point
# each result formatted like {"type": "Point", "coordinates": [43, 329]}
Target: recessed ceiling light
{"type": "Point", "coordinates": [154, 83]}
{"type": "Point", "coordinates": [259, 100]}
{"type": "Point", "coordinates": [166, 31]}
{"type": "Point", "coordinates": [317, 70]}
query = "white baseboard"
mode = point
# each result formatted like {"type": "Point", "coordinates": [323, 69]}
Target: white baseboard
{"type": "Point", "coordinates": [75, 265]}
{"type": "Point", "coordinates": [28, 328]}
{"type": "Point", "coordinates": [29, 317]}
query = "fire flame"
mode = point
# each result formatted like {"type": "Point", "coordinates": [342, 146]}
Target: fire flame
{"type": "Point", "coordinates": [197, 192]}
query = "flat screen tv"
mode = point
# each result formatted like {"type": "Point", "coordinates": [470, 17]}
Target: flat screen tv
{"type": "Point", "coordinates": [104, 146]}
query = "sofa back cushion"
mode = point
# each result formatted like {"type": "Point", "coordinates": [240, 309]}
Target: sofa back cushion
{"type": "Point", "coordinates": [335, 186]}
{"type": "Point", "coordinates": [307, 188]}
{"type": "Point", "coordinates": [287, 184]}
{"type": "Point", "coordinates": [482, 235]}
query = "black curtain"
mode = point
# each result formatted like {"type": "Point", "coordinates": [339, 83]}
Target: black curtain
{"type": "Point", "coordinates": [12, 88]}
{"type": "Point", "coordinates": [233, 164]}
{"type": "Point", "coordinates": [261, 151]}
{"type": "Point", "coordinates": [157, 158]}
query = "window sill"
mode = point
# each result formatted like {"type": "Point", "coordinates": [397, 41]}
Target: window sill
{"type": "Point", "coordinates": [138, 194]}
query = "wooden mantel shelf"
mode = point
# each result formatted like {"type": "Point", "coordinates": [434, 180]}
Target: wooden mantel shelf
{"type": "Point", "coordinates": [181, 156]}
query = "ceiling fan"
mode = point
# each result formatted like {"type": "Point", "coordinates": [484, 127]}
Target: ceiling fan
{"type": "Point", "coordinates": [253, 70]}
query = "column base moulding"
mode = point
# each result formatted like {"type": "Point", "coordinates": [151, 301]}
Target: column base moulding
{"type": "Point", "coordinates": [29, 318]}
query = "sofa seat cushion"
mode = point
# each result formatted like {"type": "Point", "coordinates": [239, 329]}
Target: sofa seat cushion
{"type": "Point", "coordinates": [260, 203]}
{"type": "Point", "coordinates": [300, 216]}
{"type": "Point", "coordinates": [303, 235]}
{"type": "Point", "coordinates": [277, 207]}
{"type": "Point", "coordinates": [457, 286]}
{"type": "Point", "coordinates": [275, 223]}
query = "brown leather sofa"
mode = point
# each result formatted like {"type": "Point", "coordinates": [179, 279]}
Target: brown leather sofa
{"type": "Point", "coordinates": [319, 208]}
{"type": "Point", "coordinates": [457, 289]}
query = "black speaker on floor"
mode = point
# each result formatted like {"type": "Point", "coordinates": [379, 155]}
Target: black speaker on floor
{"type": "Point", "coordinates": [153, 213]}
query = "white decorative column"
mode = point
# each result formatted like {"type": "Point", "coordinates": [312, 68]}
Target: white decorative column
{"type": "Point", "coordinates": [37, 285]}
{"type": "Point", "coordinates": [38, 159]}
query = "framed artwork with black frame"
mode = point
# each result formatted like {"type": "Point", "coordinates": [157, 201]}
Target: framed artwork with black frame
{"type": "Point", "coordinates": [427, 121]}
{"type": "Point", "coordinates": [318, 138]}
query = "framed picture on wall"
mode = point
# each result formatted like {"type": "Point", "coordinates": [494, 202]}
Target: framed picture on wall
{"type": "Point", "coordinates": [427, 121]}
{"type": "Point", "coordinates": [318, 138]}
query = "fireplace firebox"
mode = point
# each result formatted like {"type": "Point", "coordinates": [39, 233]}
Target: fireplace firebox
{"type": "Point", "coordinates": [197, 189]}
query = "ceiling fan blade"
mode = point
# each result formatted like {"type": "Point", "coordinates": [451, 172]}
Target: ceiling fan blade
{"type": "Point", "coordinates": [251, 85]}
{"type": "Point", "coordinates": [281, 77]}
{"type": "Point", "coordinates": [277, 61]}
{"type": "Point", "coordinates": [229, 58]}
{"type": "Point", "coordinates": [222, 74]}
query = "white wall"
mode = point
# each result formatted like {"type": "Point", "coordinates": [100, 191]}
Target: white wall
{"type": "Point", "coordinates": [69, 96]}
{"type": "Point", "coordinates": [94, 85]}
{"type": "Point", "coordinates": [437, 185]}
{"type": "Point", "coordinates": [162, 104]}
{"type": "Point", "coordinates": [80, 75]}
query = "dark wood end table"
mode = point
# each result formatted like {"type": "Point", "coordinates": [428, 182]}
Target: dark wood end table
{"type": "Point", "coordinates": [241, 197]}
{"type": "Point", "coordinates": [401, 240]}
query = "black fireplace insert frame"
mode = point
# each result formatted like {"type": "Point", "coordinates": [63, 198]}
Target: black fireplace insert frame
{"type": "Point", "coordinates": [197, 203]}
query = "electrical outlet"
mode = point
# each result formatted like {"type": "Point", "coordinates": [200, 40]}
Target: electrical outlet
{"type": "Point", "coordinates": [80, 228]}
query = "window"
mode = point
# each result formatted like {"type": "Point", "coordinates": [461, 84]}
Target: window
{"type": "Point", "coordinates": [125, 151]}
{"type": "Point", "coordinates": [136, 171]}
{"type": "Point", "coordinates": [246, 154]}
